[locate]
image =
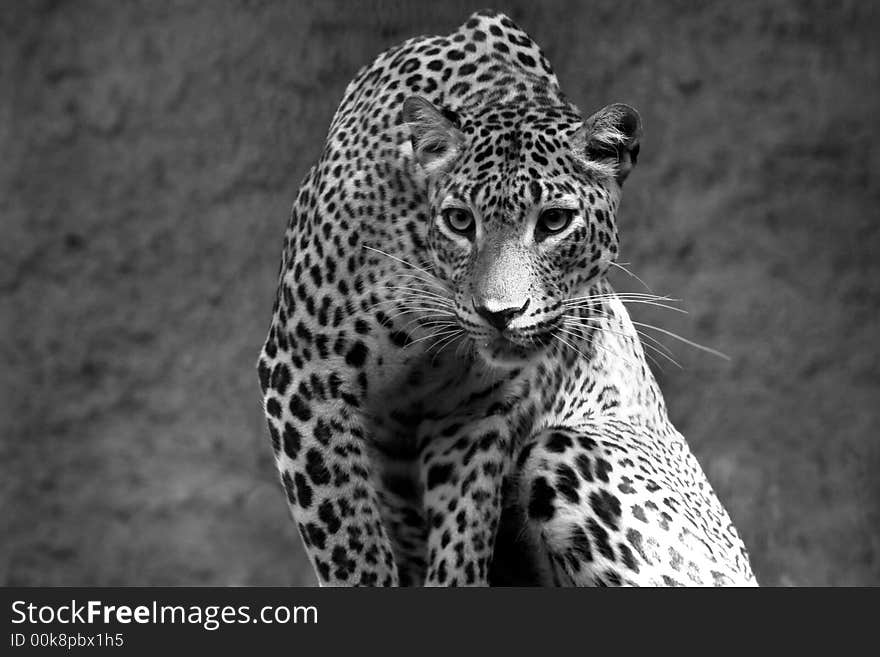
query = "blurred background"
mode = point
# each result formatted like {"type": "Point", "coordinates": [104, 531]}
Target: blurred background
{"type": "Point", "coordinates": [149, 155]}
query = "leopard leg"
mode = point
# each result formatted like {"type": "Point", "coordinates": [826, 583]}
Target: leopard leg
{"type": "Point", "coordinates": [403, 517]}
{"type": "Point", "coordinates": [610, 511]}
{"type": "Point", "coordinates": [462, 470]}
{"type": "Point", "coordinates": [574, 513]}
{"type": "Point", "coordinates": [320, 450]}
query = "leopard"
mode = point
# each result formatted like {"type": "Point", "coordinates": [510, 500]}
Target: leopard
{"type": "Point", "coordinates": [455, 394]}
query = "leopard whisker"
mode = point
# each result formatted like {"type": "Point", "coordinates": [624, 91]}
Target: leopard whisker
{"type": "Point", "coordinates": [617, 295]}
{"type": "Point", "coordinates": [435, 320]}
{"type": "Point", "coordinates": [432, 282]}
{"type": "Point", "coordinates": [411, 300]}
{"type": "Point", "coordinates": [667, 352]}
{"type": "Point", "coordinates": [671, 334]}
{"type": "Point", "coordinates": [629, 273]}
{"type": "Point", "coordinates": [437, 334]}
{"type": "Point", "coordinates": [661, 351]}
{"type": "Point", "coordinates": [397, 300]}
{"type": "Point", "coordinates": [448, 342]}
{"type": "Point", "coordinates": [409, 310]}
{"type": "Point", "coordinates": [643, 301]}
{"type": "Point", "coordinates": [400, 260]}
{"type": "Point", "coordinates": [445, 342]}
{"type": "Point", "coordinates": [571, 346]}
{"type": "Point", "coordinates": [579, 319]}
{"type": "Point", "coordinates": [431, 278]}
{"type": "Point", "coordinates": [406, 299]}
{"type": "Point", "coordinates": [439, 298]}
{"type": "Point", "coordinates": [602, 347]}
{"type": "Point", "coordinates": [691, 343]}
{"type": "Point", "coordinates": [575, 319]}
{"type": "Point", "coordinates": [602, 329]}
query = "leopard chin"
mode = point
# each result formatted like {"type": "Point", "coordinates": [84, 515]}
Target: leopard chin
{"type": "Point", "coordinates": [503, 353]}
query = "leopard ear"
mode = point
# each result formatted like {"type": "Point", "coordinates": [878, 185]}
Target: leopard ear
{"type": "Point", "coordinates": [436, 141]}
{"type": "Point", "coordinates": [611, 140]}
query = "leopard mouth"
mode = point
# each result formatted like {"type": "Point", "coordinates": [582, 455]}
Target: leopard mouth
{"type": "Point", "coordinates": [508, 352]}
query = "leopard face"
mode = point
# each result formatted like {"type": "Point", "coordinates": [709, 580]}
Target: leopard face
{"type": "Point", "coordinates": [521, 218]}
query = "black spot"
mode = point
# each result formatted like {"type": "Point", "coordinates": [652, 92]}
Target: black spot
{"type": "Point", "coordinates": [399, 338]}
{"type": "Point", "coordinates": [276, 439]}
{"type": "Point", "coordinates": [281, 378]}
{"type": "Point", "coordinates": [535, 191]}
{"type": "Point", "coordinates": [606, 506]}
{"type": "Point", "coordinates": [720, 579]}
{"type": "Point", "coordinates": [639, 513]}
{"type": "Point", "coordinates": [567, 483]}
{"type": "Point", "coordinates": [526, 59]}
{"type": "Point", "coordinates": [273, 408]}
{"type": "Point", "coordinates": [328, 516]}
{"type": "Point", "coordinates": [300, 409]}
{"type": "Point", "coordinates": [292, 441]}
{"type": "Point", "coordinates": [635, 539]}
{"type": "Point", "coordinates": [303, 490]}
{"type": "Point", "coordinates": [316, 468]}
{"type": "Point", "coordinates": [587, 443]}
{"type": "Point", "coordinates": [541, 501]}
{"type": "Point", "coordinates": [344, 565]}
{"type": "Point", "coordinates": [580, 543]}
{"type": "Point", "coordinates": [323, 569]}
{"type": "Point", "coordinates": [439, 474]}
{"type": "Point", "coordinates": [265, 376]}
{"type": "Point", "coordinates": [288, 487]}
{"type": "Point", "coordinates": [627, 556]}
{"type": "Point", "coordinates": [316, 536]}
{"type": "Point", "coordinates": [524, 455]}
{"type": "Point", "coordinates": [409, 65]}
{"type": "Point", "coordinates": [603, 467]}
{"type": "Point", "coordinates": [612, 578]}
{"type": "Point", "coordinates": [582, 462]}
{"type": "Point", "coordinates": [322, 432]}
{"type": "Point", "coordinates": [558, 443]}
{"type": "Point", "coordinates": [626, 487]}
{"type": "Point", "coordinates": [600, 537]}
{"type": "Point", "coordinates": [357, 354]}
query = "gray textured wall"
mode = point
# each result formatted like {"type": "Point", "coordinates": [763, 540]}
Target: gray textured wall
{"type": "Point", "coordinates": [149, 153]}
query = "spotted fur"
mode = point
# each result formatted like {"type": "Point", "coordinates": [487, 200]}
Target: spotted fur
{"type": "Point", "coordinates": [433, 421]}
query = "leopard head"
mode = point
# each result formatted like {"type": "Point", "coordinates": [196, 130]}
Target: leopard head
{"type": "Point", "coordinates": [522, 212]}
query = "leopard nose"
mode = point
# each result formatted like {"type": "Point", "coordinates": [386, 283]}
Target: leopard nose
{"type": "Point", "coordinates": [500, 318]}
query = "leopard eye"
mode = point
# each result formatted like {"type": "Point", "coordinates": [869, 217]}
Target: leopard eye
{"type": "Point", "coordinates": [554, 220]}
{"type": "Point", "coordinates": [459, 220]}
